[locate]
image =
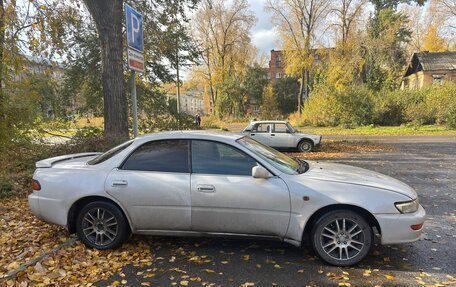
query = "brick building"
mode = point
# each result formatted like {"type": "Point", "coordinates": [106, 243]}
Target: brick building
{"type": "Point", "coordinates": [276, 67]}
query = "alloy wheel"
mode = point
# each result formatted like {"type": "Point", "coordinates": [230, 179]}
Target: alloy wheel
{"type": "Point", "coordinates": [100, 226]}
{"type": "Point", "coordinates": [342, 239]}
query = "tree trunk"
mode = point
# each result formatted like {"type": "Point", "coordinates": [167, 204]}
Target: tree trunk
{"type": "Point", "coordinates": [107, 15]}
{"type": "Point", "coordinates": [2, 45]}
{"type": "Point", "coordinates": [301, 91]}
{"type": "Point", "coordinates": [306, 84]}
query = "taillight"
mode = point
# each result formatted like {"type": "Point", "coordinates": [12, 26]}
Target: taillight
{"type": "Point", "coordinates": [36, 185]}
{"type": "Point", "coordinates": [416, 226]}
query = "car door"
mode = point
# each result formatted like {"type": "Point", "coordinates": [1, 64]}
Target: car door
{"type": "Point", "coordinates": [281, 137]}
{"type": "Point", "coordinates": [261, 132]}
{"type": "Point", "coordinates": [153, 185]}
{"type": "Point", "coordinates": [227, 199]}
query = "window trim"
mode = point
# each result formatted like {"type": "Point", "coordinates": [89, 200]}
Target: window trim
{"type": "Point", "coordinates": [120, 167]}
{"type": "Point", "coordinates": [190, 157]}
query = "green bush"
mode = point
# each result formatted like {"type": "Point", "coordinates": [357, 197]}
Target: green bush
{"type": "Point", "coordinates": [357, 105]}
{"type": "Point", "coordinates": [331, 107]}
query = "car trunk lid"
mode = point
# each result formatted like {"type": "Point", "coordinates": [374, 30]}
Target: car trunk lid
{"type": "Point", "coordinates": [69, 159]}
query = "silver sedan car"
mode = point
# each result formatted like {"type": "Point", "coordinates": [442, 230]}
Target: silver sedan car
{"type": "Point", "coordinates": [201, 183]}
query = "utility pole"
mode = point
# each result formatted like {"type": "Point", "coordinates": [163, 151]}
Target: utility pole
{"type": "Point", "coordinates": [178, 80]}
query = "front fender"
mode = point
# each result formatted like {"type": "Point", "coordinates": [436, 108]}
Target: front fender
{"type": "Point", "coordinates": [323, 193]}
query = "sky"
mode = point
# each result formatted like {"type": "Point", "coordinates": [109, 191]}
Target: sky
{"type": "Point", "coordinates": [264, 36]}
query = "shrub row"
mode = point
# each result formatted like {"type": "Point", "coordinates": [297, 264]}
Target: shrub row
{"type": "Point", "coordinates": [357, 105]}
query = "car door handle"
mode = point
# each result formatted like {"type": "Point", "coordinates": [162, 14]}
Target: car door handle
{"type": "Point", "coordinates": [119, 183]}
{"type": "Point", "coordinates": [272, 135]}
{"type": "Point", "coordinates": [206, 188]}
{"type": "Point", "coordinates": [252, 134]}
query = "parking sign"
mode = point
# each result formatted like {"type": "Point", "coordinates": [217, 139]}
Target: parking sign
{"type": "Point", "coordinates": [133, 20]}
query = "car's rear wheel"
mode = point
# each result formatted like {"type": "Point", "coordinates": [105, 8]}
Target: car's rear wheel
{"type": "Point", "coordinates": [102, 225]}
{"type": "Point", "coordinates": [305, 146]}
{"type": "Point", "coordinates": [342, 237]}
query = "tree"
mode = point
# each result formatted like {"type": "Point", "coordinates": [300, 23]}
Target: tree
{"type": "Point", "coordinates": [26, 28]}
{"type": "Point", "coordinates": [383, 48]}
{"type": "Point", "coordinates": [447, 7]}
{"type": "Point", "coordinates": [108, 15]}
{"type": "Point", "coordinates": [285, 90]}
{"type": "Point", "coordinates": [432, 42]}
{"type": "Point", "coordinates": [222, 29]}
{"type": "Point", "coordinates": [347, 13]}
{"type": "Point", "coordinates": [344, 62]}
{"type": "Point", "coordinates": [298, 21]}
{"type": "Point", "coordinates": [392, 4]}
{"type": "Point", "coordinates": [254, 82]}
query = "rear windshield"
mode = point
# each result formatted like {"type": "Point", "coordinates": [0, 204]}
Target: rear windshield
{"type": "Point", "coordinates": [110, 153]}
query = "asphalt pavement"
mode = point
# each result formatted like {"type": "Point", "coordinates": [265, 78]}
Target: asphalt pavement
{"type": "Point", "coordinates": [427, 165]}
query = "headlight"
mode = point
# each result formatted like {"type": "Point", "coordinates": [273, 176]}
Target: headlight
{"type": "Point", "coordinates": [408, 206]}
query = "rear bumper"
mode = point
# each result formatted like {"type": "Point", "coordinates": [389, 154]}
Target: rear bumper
{"type": "Point", "coordinates": [396, 228]}
{"type": "Point", "coordinates": [47, 209]}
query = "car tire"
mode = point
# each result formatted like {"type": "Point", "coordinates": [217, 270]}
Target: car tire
{"type": "Point", "coordinates": [305, 146]}
{"type": "Point", "coordinates": [342, 237]}
{"type": "Point", "coordinates": [102, 225]}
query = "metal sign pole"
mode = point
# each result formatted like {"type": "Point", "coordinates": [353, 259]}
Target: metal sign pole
{"type": "Point", "coordinates": [134, 104]}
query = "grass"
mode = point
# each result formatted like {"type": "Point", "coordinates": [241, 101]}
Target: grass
{"type": "Point", "coordinates": [382, 131]}
{"type": "Point", "coordinates": [238, 125]}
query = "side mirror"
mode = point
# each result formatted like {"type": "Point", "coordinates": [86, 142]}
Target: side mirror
{"type": "Point", "coordinates": [260, 172]}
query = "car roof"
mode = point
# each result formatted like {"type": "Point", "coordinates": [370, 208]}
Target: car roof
{"type": "Point", "coordinates": [191, 134]}
{"type": "Point", "coordinates": [269, 122]}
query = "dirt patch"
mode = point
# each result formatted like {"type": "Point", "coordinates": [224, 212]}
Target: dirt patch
{"type": "Point", "coordinates": [340, 149]}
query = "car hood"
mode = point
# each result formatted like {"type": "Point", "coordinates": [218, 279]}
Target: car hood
{"type": "Point", "coordinates": [359, 176]}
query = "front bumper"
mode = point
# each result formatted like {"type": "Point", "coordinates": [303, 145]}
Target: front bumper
{"type": "Point", "coordinates": [395, 228]}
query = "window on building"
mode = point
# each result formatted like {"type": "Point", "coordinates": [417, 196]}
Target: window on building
{"type": "Point", "coordinates": [278, 61]}
{"type": "Point", "coordinates": [437, 79]}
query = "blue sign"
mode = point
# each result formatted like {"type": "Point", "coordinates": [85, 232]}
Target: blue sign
{"type": "Point", "coordinates": [134, 28]}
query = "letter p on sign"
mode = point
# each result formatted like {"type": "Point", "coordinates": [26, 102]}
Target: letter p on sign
{"type": "Point", "coordinates": [134, 28]}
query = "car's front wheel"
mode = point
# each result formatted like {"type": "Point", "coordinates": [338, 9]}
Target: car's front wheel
{"type": "Point", "coordinates": [102, 225]}
{"type": "Point", "coordinates": [342, 237]}
{"type": "Point", "coordinates": [305, 146]}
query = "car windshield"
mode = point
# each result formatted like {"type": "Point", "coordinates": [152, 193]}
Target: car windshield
{"type": "Point", "coordinates": [110, 153]}
{"type": "Point", "coordinates": [290, 127]}
{"type": "Point", "coordinates": [280, 161]}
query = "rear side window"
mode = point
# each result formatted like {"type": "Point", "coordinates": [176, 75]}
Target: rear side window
{"type": "Point", "coordinates": [164, 156]}
{"type": "Point", "coordinates": [261, 128]}
{"type": "Point", "coordinates": [110, 153]}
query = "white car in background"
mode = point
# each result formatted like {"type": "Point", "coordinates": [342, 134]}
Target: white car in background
{"type": "Point", "coordinates": [281, 135]}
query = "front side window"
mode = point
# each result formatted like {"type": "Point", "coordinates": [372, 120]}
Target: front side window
{"type": "Point", "coordinates": [163, 156]}
{"type": "Point", "coordinates": [280, 128]}
{"type": "Point", "coordinates": [217, 158]}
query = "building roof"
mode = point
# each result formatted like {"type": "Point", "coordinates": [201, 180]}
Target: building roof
{"type": "Point", "coordinates": [431, 61]}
